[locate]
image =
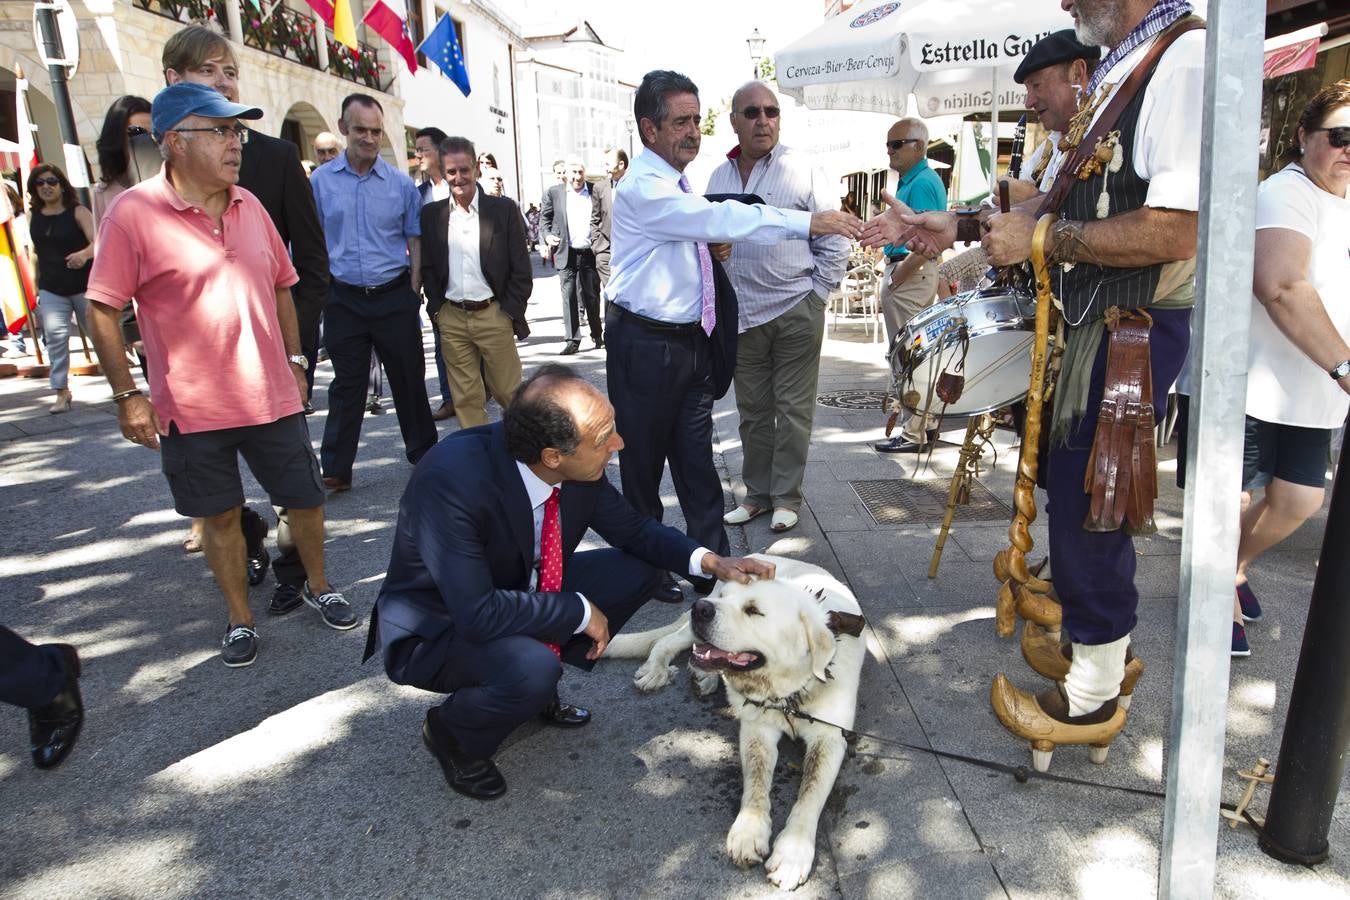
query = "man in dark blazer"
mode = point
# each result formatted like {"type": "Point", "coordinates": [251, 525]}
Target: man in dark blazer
{"type": "Point", "coordinates": [479, 307]}
{"type": "Point", "coordinates": [565, 220]}
{"type": "Point", "coordinates": [270, 170]}
{"type": "Point", "coordinates": [464, 610]}
{"type": "Point", "coordinates": [616, 164]}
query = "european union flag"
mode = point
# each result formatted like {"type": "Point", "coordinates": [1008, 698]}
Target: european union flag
{"type": "Point", "coordinates": [442, 47]}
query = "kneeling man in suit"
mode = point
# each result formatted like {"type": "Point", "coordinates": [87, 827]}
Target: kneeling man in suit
{"type": "Point", "coordinates": [486, 597]}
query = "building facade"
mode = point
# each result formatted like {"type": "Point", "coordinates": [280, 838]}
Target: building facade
{"type": "Point", "coordinates": [571, 102]}
{"type": "Point", "coordinates": [490, 42]}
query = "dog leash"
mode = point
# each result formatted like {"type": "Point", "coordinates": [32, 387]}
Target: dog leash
{"type": "Point", "coordinates": [1020, 774]}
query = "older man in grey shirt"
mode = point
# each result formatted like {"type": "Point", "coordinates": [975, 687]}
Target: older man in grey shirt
{"type": "Point", "coordinates": [781, 289]}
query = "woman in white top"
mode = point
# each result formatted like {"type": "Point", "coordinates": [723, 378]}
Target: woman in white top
{"type": "Point", "coordinates": [1298, 381]}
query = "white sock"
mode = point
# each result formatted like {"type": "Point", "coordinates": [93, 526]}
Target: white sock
{"type": "Point", "coordinates": [1095, 674]}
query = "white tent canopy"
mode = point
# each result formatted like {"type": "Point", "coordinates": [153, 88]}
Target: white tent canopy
{"type": "Point", "coordinates": [949, 54]}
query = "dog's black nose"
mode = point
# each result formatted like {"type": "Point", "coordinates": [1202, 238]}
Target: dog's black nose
{"type": "Point", "coordinates": [703, 610]}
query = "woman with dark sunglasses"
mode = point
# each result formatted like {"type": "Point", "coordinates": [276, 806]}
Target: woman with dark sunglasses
{"type": "Point", "coordinates": [63, 240]}
{"type": "Point", "coordinates": [1298, 376]}
{"type": "Point", "coordinates": [126, 120]}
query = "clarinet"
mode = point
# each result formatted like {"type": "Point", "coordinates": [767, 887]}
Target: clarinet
{"type": "Point", "coordinates": [1018, 142]}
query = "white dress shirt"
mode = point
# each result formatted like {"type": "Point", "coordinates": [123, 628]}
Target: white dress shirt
{"type": "Point", "coordinates": [656, 229]}
{"type": "Point", "coordinates": [579, 218]}
{"type": "Point", "coordinates": [464, 279]}
{"type": "Point", "coordinates": [538, 491]}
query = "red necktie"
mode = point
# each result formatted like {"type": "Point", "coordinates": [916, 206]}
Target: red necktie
{"type": "Point", "coordinates": [550, 554]}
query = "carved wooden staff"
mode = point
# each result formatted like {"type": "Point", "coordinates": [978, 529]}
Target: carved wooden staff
{"type": "Point", "coordinates": [1030, 596]}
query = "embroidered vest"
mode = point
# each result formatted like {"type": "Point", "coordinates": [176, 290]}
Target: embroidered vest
{"type": "Point", "coordinates": [1088, 290]}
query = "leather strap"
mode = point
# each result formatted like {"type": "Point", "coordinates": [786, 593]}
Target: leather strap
{"type": "Point", "coordinates": [1122, 476]}
{"type": "Point", "coordinates": [1068, 170]}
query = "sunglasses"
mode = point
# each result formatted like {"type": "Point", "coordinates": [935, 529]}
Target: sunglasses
{"type": "Point", "coordinates": [221, 131]}
{"type": "Point", "coordinates": [47, 182]}
{"type": "Point", "coordinates": [136, 131]}
{"type": "Point", "coordinates": [896, 145]}
{"type": "Point", "coordinates": [752, 112]}
{"type": "Point", "coordinates": [1337, 137]}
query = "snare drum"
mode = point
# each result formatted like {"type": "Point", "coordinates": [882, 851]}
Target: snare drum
{"type": "Point", "coordinates": [999, 327]}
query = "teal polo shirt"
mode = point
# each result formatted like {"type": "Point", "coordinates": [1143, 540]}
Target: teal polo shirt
{"type": "Point", "coordinates": [921, 190]}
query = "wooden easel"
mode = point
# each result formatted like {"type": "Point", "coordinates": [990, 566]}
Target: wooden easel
{"type": "Point", "coordinates": [979, 430]}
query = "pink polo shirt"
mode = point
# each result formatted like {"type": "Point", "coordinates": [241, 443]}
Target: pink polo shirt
{"type": "Point", "coordinates": [205, 303]}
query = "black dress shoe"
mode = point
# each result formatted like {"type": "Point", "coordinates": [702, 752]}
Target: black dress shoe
{"type": "Point", "coordinates": [668, 591]}
{"type": "Point", "coordinates": [571, 347]}
{"type": "Point", "coordinates": [53, 728]}
{"type": "Point", "coordinates": [258, 561]}
{"type": "Point", "coordinates": [469, 775]}
{"type": "Point", "coordinates": [565, 715]}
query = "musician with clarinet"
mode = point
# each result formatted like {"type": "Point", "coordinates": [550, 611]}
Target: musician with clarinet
{"type": "Point", "coordinates": [1120, 260]}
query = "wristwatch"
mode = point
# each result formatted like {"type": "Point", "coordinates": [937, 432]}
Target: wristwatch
{"type": "Point", "coordinates": [298, 360]}
{"type": "Point", "coordinates": [968, 225]}
{"type": "Point", "coordinates": [1340, 370]}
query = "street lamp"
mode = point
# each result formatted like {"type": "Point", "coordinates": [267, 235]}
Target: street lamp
{"type": "Point", "coordinates": [756, 44]}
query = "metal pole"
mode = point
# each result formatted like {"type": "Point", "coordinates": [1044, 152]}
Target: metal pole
{"type": "Point", "coordinates": [51, 42]}
{"type": "Point", "coordinates": [1219, 369]}
{"type": "Point", "coordinates": [1317, 729]}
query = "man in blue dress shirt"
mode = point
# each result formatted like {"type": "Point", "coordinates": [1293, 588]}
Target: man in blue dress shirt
{"type": "Point", "coordinates": [661, 309]}
{"type": "Point", "coordinates": [370, 214]}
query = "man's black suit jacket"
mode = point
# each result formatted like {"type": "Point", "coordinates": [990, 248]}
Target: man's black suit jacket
{"type": "Point", "coordinates": [502, 256]}
{"type": "Point", "coordinates": [553, 220]}
{"type": "Point", "coordinates": [270, 170]}
{"type": "Point", "coordinates": [464, 550]}
{"type": "Point", "coordinates": [601, 217]}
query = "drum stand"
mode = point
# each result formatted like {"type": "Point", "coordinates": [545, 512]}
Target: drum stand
{"type": "Point", "coordinates": [979, 431]}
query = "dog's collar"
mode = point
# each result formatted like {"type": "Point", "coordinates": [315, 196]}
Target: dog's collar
{"type": "Point", "coordinates": [846, 623]}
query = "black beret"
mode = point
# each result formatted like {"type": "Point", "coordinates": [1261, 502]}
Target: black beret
{"type": "Point", "coordinates": [1060, 47]}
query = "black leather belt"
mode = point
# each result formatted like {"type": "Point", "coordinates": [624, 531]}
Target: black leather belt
{"type": "Point", "coordinates": [656, 324]}
{"type": "Point", "coordinates": [470, 305]}
{"type": "Point", "coordinates": [397, 281]}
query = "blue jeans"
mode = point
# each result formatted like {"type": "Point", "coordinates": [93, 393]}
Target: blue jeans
{"type": "Point", "coordinates": [56, 310]}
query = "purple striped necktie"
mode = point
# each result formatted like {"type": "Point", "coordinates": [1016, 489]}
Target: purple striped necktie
{"type": "Point", "coordinates": [709, 316]}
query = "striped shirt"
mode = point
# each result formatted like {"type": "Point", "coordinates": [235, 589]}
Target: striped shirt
{"type": "Point", "coordinates": [772, 278]}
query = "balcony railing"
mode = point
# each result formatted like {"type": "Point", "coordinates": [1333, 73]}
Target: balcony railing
{"type": "Point", "coordinates": [287, 33]}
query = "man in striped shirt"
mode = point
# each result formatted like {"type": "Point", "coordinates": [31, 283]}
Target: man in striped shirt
{"type": "Point", "coordinates": [781, 289]}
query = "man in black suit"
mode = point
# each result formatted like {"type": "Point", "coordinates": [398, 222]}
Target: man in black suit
{"type": "Point", "coordinates": [270, 170]}
{"type": "Point", "coordinates": [485, 597]}
{"type": "Point", "coordinates": [566, 222]}
{"type": "Point", "coordinates": [478, 304]}
{"type": "Point", "coordinates": [616, 164]}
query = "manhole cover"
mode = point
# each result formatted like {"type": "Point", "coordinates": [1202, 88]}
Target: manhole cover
{"type": "Point", "coordinates": [901, 501]}
{"type": "Point", "coordinates": [853, 399]}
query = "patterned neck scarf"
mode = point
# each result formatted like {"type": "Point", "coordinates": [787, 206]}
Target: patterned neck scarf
{"type": "Point", "coordinates": [1164, 13]}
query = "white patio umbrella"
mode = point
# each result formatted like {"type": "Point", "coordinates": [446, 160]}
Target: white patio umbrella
{"type": "Point", "coordinates": [953, 56]}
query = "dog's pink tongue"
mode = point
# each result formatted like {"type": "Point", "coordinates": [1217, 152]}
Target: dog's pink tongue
{"type": "Point", "coordinates": [709, 652]}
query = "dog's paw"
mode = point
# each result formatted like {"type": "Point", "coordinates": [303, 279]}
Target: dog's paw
{"type": "Point", "coordinates": [704, 683]}
{"type": "Point", "coordinates": [790, 865]}
{"type": "Point", "coordinates": [652, 677]}
{"type": "Point", "coordinates": [748, 839]}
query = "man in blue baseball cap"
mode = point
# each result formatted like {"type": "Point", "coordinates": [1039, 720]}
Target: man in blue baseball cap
{"type": "Point", "coordinates": [212, 279]}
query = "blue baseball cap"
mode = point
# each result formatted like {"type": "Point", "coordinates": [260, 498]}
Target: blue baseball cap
{"type": "Point", "coordinates": [178, 101]}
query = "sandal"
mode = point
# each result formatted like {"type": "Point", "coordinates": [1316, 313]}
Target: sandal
{"type": "Point", "coordinates": [192, 543]}
{"type": "Point", "coordinates": [783, 519]}
{"type": "Point", "coordinates": [742, 514]}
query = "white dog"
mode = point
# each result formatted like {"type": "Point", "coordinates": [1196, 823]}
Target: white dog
{"type": "Point", "coordinates": [792, 642]}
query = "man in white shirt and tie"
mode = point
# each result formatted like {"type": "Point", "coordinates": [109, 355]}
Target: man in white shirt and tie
{"type": "Point", "coordinates": [661, 304]}
{"type": "Point", "coordinates": [476, 274]}
{"type": "Point", "coordinates": [566, 221]}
